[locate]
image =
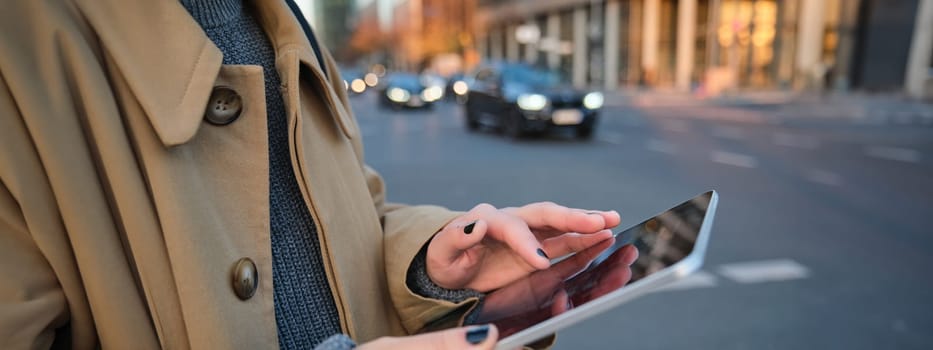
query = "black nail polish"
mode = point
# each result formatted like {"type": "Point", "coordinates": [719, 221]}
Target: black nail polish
{"type": "Point", "coordinates": [477, 335]}
{"type": "Point", "coordinates": [468, 229]}
{"type": "Point", "coordinates": [542, 254]}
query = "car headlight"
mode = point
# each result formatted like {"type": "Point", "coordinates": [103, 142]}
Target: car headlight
{"type": "Point", "coordinates": [532, 102]}
{"type": "Point", "coordinates": [358, 86]}
{"type": "Point", "coordinates": [398, 95]}
{"type": "Point", "coordinates": [593, 100]}
{"type": "Point", "coordinates": [432, 94]}
{"type": "Point", "coordinates": [461, 87]}
{"type": "Point", "coordinates": [371, 79]}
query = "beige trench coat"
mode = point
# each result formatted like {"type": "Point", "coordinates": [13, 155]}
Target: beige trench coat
{"type": "Point", "coordinates": [122, 212]}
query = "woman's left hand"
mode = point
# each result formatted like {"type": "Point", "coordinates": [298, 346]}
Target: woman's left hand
{"type": "Point", "coordinates": [487, 248]}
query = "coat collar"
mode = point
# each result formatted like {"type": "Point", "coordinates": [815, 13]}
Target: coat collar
{"type": "Point", "coordinates": [169, 62]}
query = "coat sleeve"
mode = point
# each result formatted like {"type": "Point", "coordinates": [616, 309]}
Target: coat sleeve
{"type": "Point", "coordinates": [406, 229]}
{"type": "Point", "coordinates": [32, 303]}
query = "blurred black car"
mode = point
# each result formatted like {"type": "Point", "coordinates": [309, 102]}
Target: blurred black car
{"type": "Point", "coordinates": [408, 90]}
{"type": "Point", "coordinates": [521, 99]}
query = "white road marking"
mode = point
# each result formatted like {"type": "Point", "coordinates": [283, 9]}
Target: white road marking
{"type": "Point", "coordinates": [792, 140]}
{"type": "Point", "coordinates": [676, 126]}
{"type": "Point", "coordinates": [660, 146]}
{"type": "Point", "coordinates": [893, 153]}
{"type": "Point", "coordinates": [699, 279]}
{"type": "Point", "coordinates": [734, 159]}
{"type": "Point", "coordinates": [824, 177]}
{"type": "Point", "coordinates": [729, 132]}
{"type": "Point", "coordinates": [610, 137]}
{"type": "Point", "coordinates": [764, 271]}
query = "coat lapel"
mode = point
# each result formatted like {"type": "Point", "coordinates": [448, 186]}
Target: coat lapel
{"type": "Point", "coordinates": [169, 63]}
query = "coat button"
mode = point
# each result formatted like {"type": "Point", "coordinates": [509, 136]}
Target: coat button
{"type": "Point", "coordinates": [224, 106]}
{"type": "Point", "coordinates": [245, 278]}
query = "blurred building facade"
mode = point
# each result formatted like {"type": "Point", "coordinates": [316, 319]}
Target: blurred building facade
{"type": "Point", "coordinates": [333, 22]}
{"type": "Point", "coordinates": [414, 34]}
{"type": "Point", "coordinates": [715, 46]}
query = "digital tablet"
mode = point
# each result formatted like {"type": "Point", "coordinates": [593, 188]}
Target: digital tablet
{"type": "Point", "coordinates": [669, 246]}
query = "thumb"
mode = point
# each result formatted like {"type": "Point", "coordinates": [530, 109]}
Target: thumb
{"type": "Point", "coordinates": [475, 337]}
{"type": "Point", "coordinates": [449, 244]}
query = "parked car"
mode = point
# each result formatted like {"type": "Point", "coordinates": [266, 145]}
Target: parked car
{"type": "Point", "coordinates": [408, 90]}
{"type": "Point", "coordinates": [521, 99]}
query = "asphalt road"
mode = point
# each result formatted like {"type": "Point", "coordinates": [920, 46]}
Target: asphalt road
{"type": "Point", "coordinates": [820, 240]}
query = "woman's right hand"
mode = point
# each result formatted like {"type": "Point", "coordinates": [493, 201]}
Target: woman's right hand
{"type": "Point", "coordinates": [473, 337]}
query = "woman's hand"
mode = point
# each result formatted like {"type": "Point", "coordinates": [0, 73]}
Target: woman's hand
{"type": "Point", "coordinates": [475, 337]}
{"type": "Point", "coordinates": [487, 248]}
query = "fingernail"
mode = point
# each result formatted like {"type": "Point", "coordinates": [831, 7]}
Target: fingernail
{"type": "Point", "coordinates": [468, 229]}
{"type": "Point", "coordinates": [477, 335]}
{"type": "Point", "coordinates": [542, 254]}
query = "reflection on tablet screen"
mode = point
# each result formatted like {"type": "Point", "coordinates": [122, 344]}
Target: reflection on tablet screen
{"type": "Point", "coordinates": [661, 241]}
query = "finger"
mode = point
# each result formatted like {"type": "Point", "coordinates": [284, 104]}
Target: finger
{"type": "Point", "coordinates": [476, 337]}
{"type": "Point", "coordinates": [448, 245]}
{"type": "Point", "coordinates": [630, 254]}
{"type": "Point", "coordinates": [517, 236]}
{"type": "Point", "coordinates": [611, 217]}
{"type": "Point", "coordinates": [573, 242]}
{"type": "Point", "coordinates": [615, 276]}
{"type": "Point", "coordinates": [561, 303]}
{"type": "Point", "coordinates": [576, 263]}
{"type": "Point", "coordinates": [559, 219]}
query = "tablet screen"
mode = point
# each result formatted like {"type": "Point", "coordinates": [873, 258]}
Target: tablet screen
{"type": "Point", "coordinates": [660, 242]}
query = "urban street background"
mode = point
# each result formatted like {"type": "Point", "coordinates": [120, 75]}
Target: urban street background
{"type": "Point", "coordinates": [813, 120]}
{"type": "Point", "coordinates": [821, 239]}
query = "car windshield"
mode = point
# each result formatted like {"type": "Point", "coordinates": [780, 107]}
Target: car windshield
{"type": "Point", "coordinates": [526, 74]}
{"type": "Point", "coordinates": [406, 81]}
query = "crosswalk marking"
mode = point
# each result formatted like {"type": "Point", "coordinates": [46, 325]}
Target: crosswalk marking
{"type": "Point", "coordinates": [796, 141]}
{"type": "Point", "coordinates": [764, 271]}
{"type": "Point", "coordinates": [660, 146]}
{"type": "Point", "coordinates": [906, 155]}
{"type": "Point", "coordinates": [734, 159]}
{"type": "Point", "coordinates": [824, 177]}
{"type": "Point", "coordinates": [699, 279]}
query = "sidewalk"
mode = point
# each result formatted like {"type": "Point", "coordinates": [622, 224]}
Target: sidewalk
{"type": "Point", "coordinates": [858, 108]}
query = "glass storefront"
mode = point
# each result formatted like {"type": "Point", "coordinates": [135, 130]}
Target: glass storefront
{"type": "Point", "coordinates": [667, 46]}
{"type": "Point", "coordinates": [745, 37]}
{"type": "Point", "coordinates": [629, 57]}
{"type": "Point", "coordinates": [745, 44]}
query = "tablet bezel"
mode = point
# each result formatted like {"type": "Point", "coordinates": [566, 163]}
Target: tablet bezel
{"type": "Point", "coordinates": [688, 265]}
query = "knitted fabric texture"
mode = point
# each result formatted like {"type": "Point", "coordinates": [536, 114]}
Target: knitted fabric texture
{"type": "Point", "coordinates": [419, 282]}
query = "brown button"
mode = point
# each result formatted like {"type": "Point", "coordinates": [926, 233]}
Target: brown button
{"type": "Point", "coordinates": [224, 107]}
{"type": "Point", "coordinates": [245, 278]}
